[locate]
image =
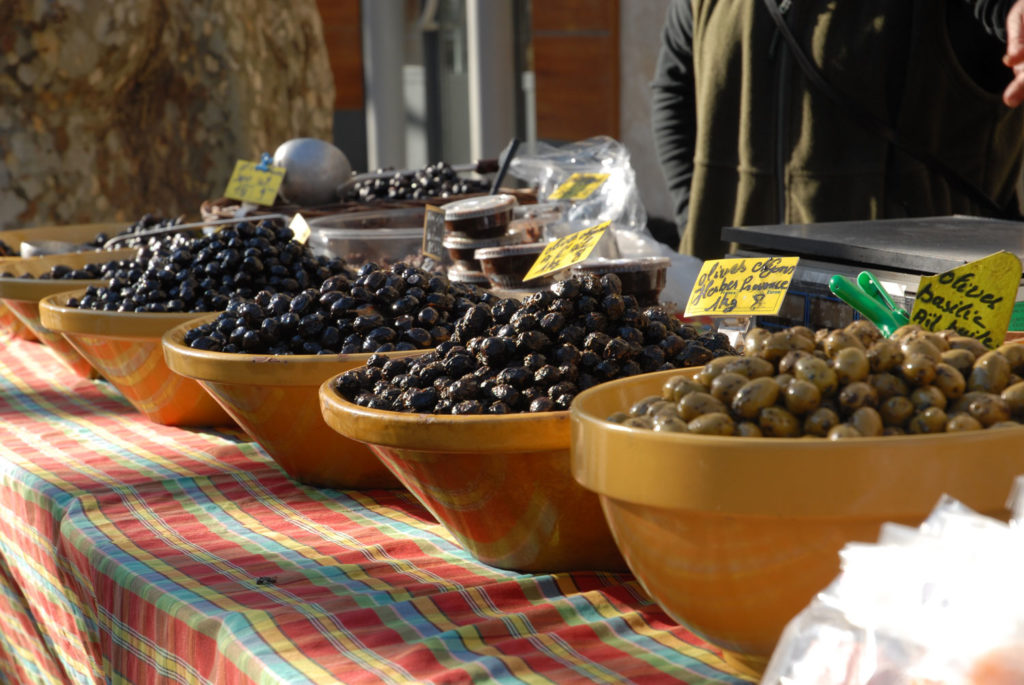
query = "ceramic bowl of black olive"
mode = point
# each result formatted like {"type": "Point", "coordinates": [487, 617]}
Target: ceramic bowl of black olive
{"type": "Point", "coordinates": [500, 484]}
{"type": "Point", "coordinates": [126, 348]}
{"type": "Point", "coordinates": [733, 535]}
{"type": "Point", "coordinates": [24, 282]}
{"type": "Point", "coordinates": [274, 399]}
{"type": "Point", "coordinates": [11, 325]}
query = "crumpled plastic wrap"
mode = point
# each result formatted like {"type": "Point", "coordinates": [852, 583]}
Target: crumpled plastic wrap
{"type": "Point", "coordinates": [546, 167]}
{"type": "Point", "coordinates": [942, 604]}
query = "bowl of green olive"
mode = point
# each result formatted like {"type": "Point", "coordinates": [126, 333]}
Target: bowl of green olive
{"type": "Point", "coordinates": [730, 489]}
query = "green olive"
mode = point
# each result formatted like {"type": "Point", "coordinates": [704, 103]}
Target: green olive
{"type": "Point", "coordinates": [989, 409]}
{"type": "Point", "coordinates": [645, 422]}
{"type": "Point", "coordinates": [748, 429]}
{"type": "Point", "coordinates": [1004, 424]}
{"type": "Point", "coordinates": [991, 373]}
{"type": "Point", "coordinates": [918, 369]}
{"type": "Point", "coordinates": [698, 403]}
{"type": "Point", "coordinates": [783, 379]}
{"type": "Point", "coordinates": [905, 330]}
{"type": "Point", "coordinates": [949, 380]}
{"type": "Point", "coordinates": [1013, 395]}
{"type": "Point", "coordinates": [972, 345]}
{"type": "Point", "coordinates": [677, 386]}
{"type": "Point", "coordinates": [843, 431]}
{"type": "Point", "coordinates": [961, 404]}
{"type": "Point", "coordinates": [715, 423]}
{"type": "Point", "coordinates": [931, 420]}
{"type": "Point", "coordinates": [1014, 353]}
{"type": "Point", "coordinates": [781, 342]}
{"type": "Point", "coordinates": [962, 422]}
{"type": "Point", "coordinates": [893, 430]}
{"type": "Point", "coordinates": [725, 385]}
{"type": "Point", "coordinates": [820, 421]}
{"type": "Point", "coordinates": [851, 364]}
{"type": "Point", "coordinates": [713, 368]}
{"type": "Point", "coordinates": [927, 396]}
{"type": "Point", "coordinates": [670, 424]}
{"type": "Point", "coordinates": [817, 371]}
{"type": "Point", "coordinates": [617, 417]}
{"type": "Point", "coordinates": [867, 421]}
{"type": "Point", "coordinates": [896, 410]}
{"type": "Point", "coordinates": [884, 355]}
{"type": "Point", "coordinates": [751, 367]}
{"type": "Point", "coordinates": [753, 341]}
{"type": "Point", "coordinates": [787, 363]}
{"type": "Point", "coordinates": [888, 385]}
{"type": "Point", "coordinates": [776, 422]}
{"type": "Point", "coordinates": [801, 397]}
{"type": "Point", "coordinates": [755, 395]}
{"type": "Point", "coordinates": [838, 340]}
{"type": "Point", "coordinates": [960, 359]}
{"type": "Point", "coordinates": [865, 331]}
{"type": "Point", "coordinates": [912, 345]}
{"type": "Point", "coordinates": [856, 395]}
{"type": "Point", "coordinates": [642, 407]}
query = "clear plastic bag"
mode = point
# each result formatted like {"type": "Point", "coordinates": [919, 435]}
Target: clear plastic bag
{"type": "Point", "coordinates": [941, 604]}
{"type": "Point", "coordinates": [617, 200]}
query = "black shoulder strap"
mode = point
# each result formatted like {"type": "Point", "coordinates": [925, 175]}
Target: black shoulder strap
{"type": "Point", "coordinates": [871, 123]}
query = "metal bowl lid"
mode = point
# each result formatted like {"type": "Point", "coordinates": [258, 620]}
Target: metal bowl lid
{"type": "Point", "coordinates": [509, 250]}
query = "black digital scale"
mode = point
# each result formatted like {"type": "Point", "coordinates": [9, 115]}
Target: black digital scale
{"type": "Point", "coordinates": [897, 251]}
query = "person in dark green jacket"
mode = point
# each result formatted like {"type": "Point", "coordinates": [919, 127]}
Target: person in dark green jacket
{"type": "Point", "coordinates": [745, 138]}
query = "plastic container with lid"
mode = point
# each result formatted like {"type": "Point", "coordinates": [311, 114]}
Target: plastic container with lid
{"type": "Point", "coordinates": [463, 250]}
{"type": "Point", "coordinates": [506, 265]}
{"type": "Point", "coordinates": [381, 237]}
{"type": "Point", "coordinates": [484, 216]}
{"type": "Point", "coordinates": [642, 277]}
{"type": "Point", "coordinates": [459, 275]}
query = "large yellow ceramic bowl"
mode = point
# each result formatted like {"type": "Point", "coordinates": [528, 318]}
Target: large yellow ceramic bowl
{"type": "Point", "coordinates": [11, 326]}
{"type": "Point", "coordinates": [22, 295]}
{"type": "Point", "coordinates": [500, 484]}
{"type": "Point", "coordinates": [126, 348]}
{"type": "Point", "coordinates": [275, 399]}
{"type": "Point", "coordinates": [733, 536]}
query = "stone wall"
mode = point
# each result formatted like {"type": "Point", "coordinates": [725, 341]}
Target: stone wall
{"type": "Point", "coordinates": [113, 108]}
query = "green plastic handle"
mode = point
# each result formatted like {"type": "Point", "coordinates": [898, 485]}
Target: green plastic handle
{"type": "Point", "coordinates": [870, 307]}
{"type": "Point", "coordinates": [872, 286]}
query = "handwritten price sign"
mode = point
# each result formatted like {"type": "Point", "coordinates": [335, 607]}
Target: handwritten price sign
{"type": "Point", "coordinates": [566, 251]}
{"type": "Point", "coordinates": [578, 186]}
{"type": "Point", "coordinates": [975, 299]}
{"type": "Point", "coordinates": [751, 286]}
{"type": "Point", "coordinates": [255, 182]}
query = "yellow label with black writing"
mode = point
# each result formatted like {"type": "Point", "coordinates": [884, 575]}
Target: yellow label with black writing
{"type": "Point", "coordinates": [566, 251]}
{"type": "Point", "coordinates": [578, 186]}
{"type": "Point", "coordinates": [975, 299]}
{"type": "Point", "coordinates": [250, 183]}
{"type": "Point", "coordinates": [300, 228]}
{"type": "Point", "coordinates": [750, 286]}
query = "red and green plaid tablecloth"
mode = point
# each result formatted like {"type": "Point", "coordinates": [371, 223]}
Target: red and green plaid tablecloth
{"type": "Point", "coordinates": [138, 553]}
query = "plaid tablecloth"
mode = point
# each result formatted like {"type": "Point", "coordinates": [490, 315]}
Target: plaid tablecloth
{"type": "Point", "coordinates": [138, 553]}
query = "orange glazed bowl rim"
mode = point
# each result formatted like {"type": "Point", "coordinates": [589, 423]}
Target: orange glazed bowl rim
{"type": "Point", "coordinates": [873, 477]}
{"type": "Point", "coordinates": [57, 316]}
{"type": "Point", "coordinates": [521, 432]}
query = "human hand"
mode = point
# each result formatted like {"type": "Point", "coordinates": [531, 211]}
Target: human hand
{"type": "Point", "coordinates": [1014, 57]}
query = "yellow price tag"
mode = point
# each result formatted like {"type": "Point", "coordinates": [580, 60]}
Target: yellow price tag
{"type": "Point", "coordinates": [751, 286]}
{"type": "Point", "coordinates": [255, 182]}
{"type": "Point", "coordinates": [578, 186]}
{"type": "Point", "coordinates": [300, 228]}
{"type": "Point", "coordinates": [975, 299]}
{"type": "Point", "coordinates": [566, 251]}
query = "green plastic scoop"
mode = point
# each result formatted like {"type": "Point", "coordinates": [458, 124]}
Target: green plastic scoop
{"type": "Point", "coordinates": [868, 297]}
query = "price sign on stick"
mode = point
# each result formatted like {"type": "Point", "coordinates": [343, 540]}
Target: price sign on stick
{"type": "Point", "coordinates": [433, 233]}
{"type": "Point", "coordinates": [751, 286]}
{"type": "Point", "coordinates": [566, 251]}
{"type": "Point", "coordinates": [578, 186]}
{"type": "Point", "coordinates": [975, 299]}
{"type": "Point", "coordinates": [255, 182]}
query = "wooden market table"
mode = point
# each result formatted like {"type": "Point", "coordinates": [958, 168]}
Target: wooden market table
{"type": "Point", "coordinates": [139, 553]}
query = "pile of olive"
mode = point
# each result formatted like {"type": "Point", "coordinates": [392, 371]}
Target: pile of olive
{"type": "Point", "coordinates": [147, 222]}
{"type": "Point", "coordinates": [200, 274]}
{"type": "Point", "coordinates": [506, 356]}
{"type": "Point", "coordinates": [843, 383]}
{"type": "Point", "coordinates": [433, 180]}
{"type": "Point", "coordinates": [374, 310]}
